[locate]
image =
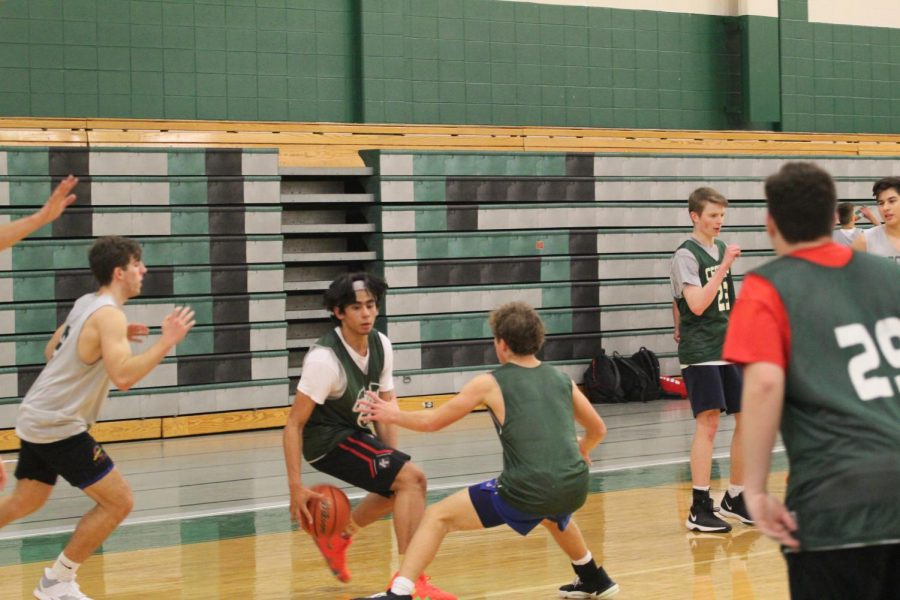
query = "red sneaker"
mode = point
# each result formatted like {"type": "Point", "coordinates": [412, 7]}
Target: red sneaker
{"type": "Point", "coordinates": [334, 549]}
{"type": "Point", "coordinates": [426, 591]}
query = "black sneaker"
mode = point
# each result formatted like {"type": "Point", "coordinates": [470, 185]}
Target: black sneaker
{"type": "Point", "coordinates": [387, 594]}
{"type": "Point", "coordinates": [605, 587]}
{"type": "Point", "coordinates": [735, 508]}
{"type": "Point", "coordinates": [703, 517]}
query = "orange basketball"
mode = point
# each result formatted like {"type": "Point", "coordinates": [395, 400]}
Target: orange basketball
{"type": "Point", "coordinates": [331, 514]}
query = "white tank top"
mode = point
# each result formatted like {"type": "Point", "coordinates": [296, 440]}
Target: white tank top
{"type": "Point", "coordinates": [68, 394]}
{"type": "Point", "coordinates": [877, 242]}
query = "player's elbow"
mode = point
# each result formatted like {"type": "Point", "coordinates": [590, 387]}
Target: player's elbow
{"type": "Point", "coordinates": [597, 432]}
{"type": "Point", "coordinates": [122, 384]}
{"type": "Point", "coordinates": [431, 425]}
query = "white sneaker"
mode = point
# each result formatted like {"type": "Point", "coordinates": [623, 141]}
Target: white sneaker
{"type": "Point", "coordinates": [54, 589]}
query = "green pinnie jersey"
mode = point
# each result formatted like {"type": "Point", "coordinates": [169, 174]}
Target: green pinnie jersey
{"type": "Point", "coordinates": [702, 337]}
{"type": "Point", "coordinates": [841, 417]}
{"type": "Point", "coordinates": [334, 420]}
{"type": "Point", "coordinates": [543, 471]}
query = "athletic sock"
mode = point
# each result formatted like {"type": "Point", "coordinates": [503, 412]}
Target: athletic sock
{"type": "Point", "coordinates": [587, 572]}
{"type": "Point", "coordinates": [64, 569]}
{"type": "Point", "coordinates": [700, 493]}
{"type": "Point", "coordinates": [583, 560]}
{"type": "Point", "coordinates": [403, 586]}
{"type": "Point", "coordinates": [735, 490]}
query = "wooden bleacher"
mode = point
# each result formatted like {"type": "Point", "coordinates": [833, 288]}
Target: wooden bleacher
{"type": "Point", "coordinates": [338, 145]}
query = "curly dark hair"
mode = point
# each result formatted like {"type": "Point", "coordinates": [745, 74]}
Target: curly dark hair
{"type": "Point", "coordinates": [519, 325]}
{"type": "Point", "coordinates": [109, 252]}
{"type": "Point", "coordinates": [801, 198]}
{"type": "Point", "coordinates": [341, 292]}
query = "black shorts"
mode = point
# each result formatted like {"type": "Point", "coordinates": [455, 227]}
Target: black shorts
{"type": "Point", "coordinates": [79, 459]}
{"type": "Point", "coordinates": [713, 387]}
{"type": "Point", "coordinates": [869, 572]}
{"type": "Point", "coordinates": [364, 461]}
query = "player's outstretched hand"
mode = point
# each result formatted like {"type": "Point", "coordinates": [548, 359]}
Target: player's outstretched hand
{"type": "Point", "coordinates": [300, 499]}
{"type": "Point", "coordinates": [137, 332]}
{"type": "Point", "coordinates": [374, 409]}
{"type": "Point", "coordinates": [772, 517]}
{"type": "Point", "coordinates": [177, 324]}
{"type": "Point", "coordinates": [61, 197]}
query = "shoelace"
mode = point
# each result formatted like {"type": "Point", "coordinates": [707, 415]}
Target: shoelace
{"type": "Point", "coordinates": [426, 582]}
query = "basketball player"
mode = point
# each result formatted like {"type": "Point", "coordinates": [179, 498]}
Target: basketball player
{"type": "Point", "coordinates": [88, 351]}
{"type": "Point", "coordinates": [704, 293]}
{"type": "Point", "coordinates": [62, 196]}
{"type": "Point", "coordinates": [324, 426]}
{"type": "Point", "coordinates": [545, 475]}
{"type": "Point", "coordinates": [884, 239]}
{"type": "Point", "coordinates": [821, 360]}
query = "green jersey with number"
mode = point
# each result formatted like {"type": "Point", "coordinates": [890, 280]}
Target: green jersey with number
{"type": "Point", "coordinates": [543, 471]}
{"type": "Point", "coordinates": [841, 418]}
{"type": "Point", "coordinates": [702, 337]}
{"type": "Point", "coordinates": [333, 420]}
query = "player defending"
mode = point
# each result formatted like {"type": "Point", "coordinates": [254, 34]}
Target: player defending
{"type": "Point", "coordinates": [326, 428]}
{"type": "Point", "coordinates": [821, 360]}
{"type": "Point", "coordinates": [704, 293]}
{"type": "Point", "coordinates": [88, 351]}
{"type": "Point", "coordinates": [545, 474]}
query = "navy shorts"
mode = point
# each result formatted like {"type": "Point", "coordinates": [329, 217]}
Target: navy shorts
{"type": "Point", "coordinates": [364, 461]}
{"type": "Point", "coordinates": [714, 387]}
{"type": "Point", "coordinates": [493, 510]}
{"type": "Point", "coordinates": [80, 460]}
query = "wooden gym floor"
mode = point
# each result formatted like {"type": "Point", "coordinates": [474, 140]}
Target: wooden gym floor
{"type": "Point", "coordinates": [210, 522]}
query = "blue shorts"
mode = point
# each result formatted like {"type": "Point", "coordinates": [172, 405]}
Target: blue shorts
{"type": "Point", "coordinates": [714, 387]}
{"type": "Point", "coordinates": [493, 510]}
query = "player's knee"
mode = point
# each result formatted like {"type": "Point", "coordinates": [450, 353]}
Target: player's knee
{"type": "Point", "coordinates": [411, 476]}
{"type": "Point", "coordinates": [708, 423]}
{"type": "Point", "coordinates": [437, 516]}
{"type": "Point", "coordinates": [122, 504]}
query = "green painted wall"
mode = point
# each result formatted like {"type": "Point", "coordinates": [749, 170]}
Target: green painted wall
{"type": "Point", "coordinates": [760, 73]}
{"type": "Point", "coordinates": [444, 61]}
{"type": "Point", "coordinates": [508, 63]}
{"type": "Point", "coordinates": [188, 59]}
{"type": "Point", "coordinates": [837, 78]}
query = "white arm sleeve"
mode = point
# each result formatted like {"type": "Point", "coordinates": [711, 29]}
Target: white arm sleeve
{"type": "Point", "coordinates": [386, 384]}
{"type": "Point", "coordinates": [322, 376]}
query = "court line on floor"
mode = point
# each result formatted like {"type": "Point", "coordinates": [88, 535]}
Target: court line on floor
{"type": "Point", "coordinates": [202, 514]}
{"type": "Point", "coordinates": [621, 576]}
